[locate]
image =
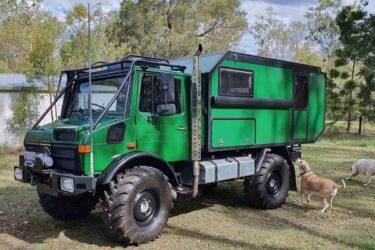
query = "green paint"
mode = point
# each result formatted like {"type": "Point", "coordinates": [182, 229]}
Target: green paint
{"type": "Point", "coordinates": [271, 125]}
{"type": "Point", "coordinates": [316, 106]}
{"type": "Point", "coordinates": [241, 133]}
{"type": "Point", "coordinates": [300, 125]}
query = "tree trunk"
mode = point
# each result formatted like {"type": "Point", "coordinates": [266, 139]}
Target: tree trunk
{"type": "Point", "coordinates": [360, 125]}
{"type": "Point", "coordinates": [350, 98]}
{"type": "Point", "coordinates": [349, 121]}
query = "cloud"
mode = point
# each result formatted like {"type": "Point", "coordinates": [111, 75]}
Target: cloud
{"type": "Point", "coordinates": [60, 7]}
{"type": "Point", "coordinates": [285, 2]}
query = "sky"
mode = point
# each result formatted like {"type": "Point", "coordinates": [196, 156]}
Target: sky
{"type": "Point", "coordinates": [287, 11]}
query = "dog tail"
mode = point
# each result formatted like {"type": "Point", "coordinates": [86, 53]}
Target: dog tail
{"type": "Point", "coordinates": [343, 184]}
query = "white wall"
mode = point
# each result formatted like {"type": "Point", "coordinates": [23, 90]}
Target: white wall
{"type": "Point", "coordinates": [6, 112]}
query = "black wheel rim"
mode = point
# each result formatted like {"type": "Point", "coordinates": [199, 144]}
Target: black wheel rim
{"type": "Point", "coordinates": [273, 183]}
{"type": "Point", "coordinates": [145, 207]}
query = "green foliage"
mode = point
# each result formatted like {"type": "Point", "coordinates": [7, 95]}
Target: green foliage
{"type": "Point", "coordinates": [276, 39]}
{"type": "Point", "coordinates": [271, 36]}
{"type": "Point", "coordinates": [334, 73]}
{"type": "Point", "coordinates": [307, 56]}
{"type": "Point", "coordinates": [174, 28]}
{"type": "Point", "coordinates": [24, 113]}
{"type": "Point", "coordinates": [323, 29]}
{"type": "Point", "coordinates": [355, 36]}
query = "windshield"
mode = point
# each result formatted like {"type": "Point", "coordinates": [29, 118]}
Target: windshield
{"type": "Point", "coordinates": [102, 93]}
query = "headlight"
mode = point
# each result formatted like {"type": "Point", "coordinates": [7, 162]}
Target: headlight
{"type": "Point", "coordinates": [18, 174]}
{"type": "Point", "coordinates": [47, 160]}
{"type": "Point", "coordinates": [67, 184]}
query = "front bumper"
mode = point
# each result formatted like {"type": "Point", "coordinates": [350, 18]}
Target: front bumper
{"type": "Point", "coordinates": [49, 181]}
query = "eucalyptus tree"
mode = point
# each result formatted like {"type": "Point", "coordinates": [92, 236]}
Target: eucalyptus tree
{"type": "Point", "coordinates": [173, 28]}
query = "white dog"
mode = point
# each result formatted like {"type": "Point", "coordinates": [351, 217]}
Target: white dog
{"type": "Point", "coordinates": [365, 167]}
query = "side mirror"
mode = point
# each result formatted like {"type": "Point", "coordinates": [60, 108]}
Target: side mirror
{"type": "Point", "coordinates": [166, 109]}
{"type": "Point", "coordinates": [163, 110]}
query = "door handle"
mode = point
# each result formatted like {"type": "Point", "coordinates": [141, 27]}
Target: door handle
{"type": "Point", "coordinates": [181, 128]}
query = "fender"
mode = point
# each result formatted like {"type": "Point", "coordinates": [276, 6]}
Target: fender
{"type": "Point", "coordinates": [137, 158]}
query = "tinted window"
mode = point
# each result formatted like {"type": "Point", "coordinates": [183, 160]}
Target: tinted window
{"type": "Point", "coordinates": [236, 82]}
{"type": "Point", "coordinates": [153, 92]}
{"type": "Point", "coordinates": [301, 91]}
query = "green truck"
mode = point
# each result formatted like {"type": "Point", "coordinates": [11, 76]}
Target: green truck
{"type": "Point", "coordinates": [168, 128]}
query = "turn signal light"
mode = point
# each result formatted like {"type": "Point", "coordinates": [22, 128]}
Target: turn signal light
{"type": "Point", "coordinates": [131, 145]}
{"type": "Point", "coordinates": [84, 148]}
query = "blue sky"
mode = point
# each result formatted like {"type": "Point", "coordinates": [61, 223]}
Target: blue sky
{"type": "Point", "coordinates": [287, 10]}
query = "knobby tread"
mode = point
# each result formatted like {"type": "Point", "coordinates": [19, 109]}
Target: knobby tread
{"type": "Point", "coordinates": [254, 186]}
{"type": "Point", "coordinates": [67, 208]}
{"type": "Point", "coordinates": [119, 222]}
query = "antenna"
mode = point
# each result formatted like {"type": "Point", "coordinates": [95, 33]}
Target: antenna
{"type": "Point", "coordinates": [90, 102]}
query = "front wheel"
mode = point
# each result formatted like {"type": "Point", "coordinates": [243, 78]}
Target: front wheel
{"type": "Point", "coordinates": [67, 208]}
{"type": "Point", "coordinates": [269, 187]}
{"type": "Point", "coordinates": [137, 204]}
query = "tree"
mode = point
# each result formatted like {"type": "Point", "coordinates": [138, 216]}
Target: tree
{"type": "Point", "coordinates": [270, 35]}
{"type": "Point", "coordinates": [174, 28]}
{"type": "Point", "coordinates": [278, 40]}
{"type": "Point", "coordinates": [24, 112]}
{"type": "Point", "coordinates": [353, 32]}
{"type": "Point", "coordinates": [29, 38]}
{"type": "Point", "coordinates": [323, 29]}
{"type": "Point", "coordinates": [74, 50]}
{"type": "Point", "coordinates": [44, 62]}
{"type": "Point", "coordinates": [366, 94]}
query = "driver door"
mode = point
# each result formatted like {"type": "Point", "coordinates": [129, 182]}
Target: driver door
{"type": "Point", "coordinates": [161, 118]}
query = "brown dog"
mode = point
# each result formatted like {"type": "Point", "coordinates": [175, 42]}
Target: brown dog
{"type": "Point", "coordinates": [310, 183]}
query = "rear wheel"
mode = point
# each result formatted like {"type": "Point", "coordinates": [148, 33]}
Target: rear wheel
{"type": "Point", "coordinates": [67, 208]}
{"type": "Point", "coordinates": [269, 187]}
{"type": "Point", "coordinates": [137, 204]}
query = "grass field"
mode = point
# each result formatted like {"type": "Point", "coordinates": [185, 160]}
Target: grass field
{"type": "Point", "coordinates": [220, 220]}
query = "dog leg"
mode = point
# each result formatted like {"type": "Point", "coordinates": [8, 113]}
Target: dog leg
{"type": "Point", "coordinates": [368, 178]}
{"type": "Point", "coordinates": [326, 205]}
{"type": "Point", "coordinates": [302, 199]}
{"type": "Point", "coordinates": [331, 199]}
{"type": "Point", "coordinates": [309, 197]}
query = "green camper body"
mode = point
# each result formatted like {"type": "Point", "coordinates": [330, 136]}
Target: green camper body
{"type": "Point", "coordinates": [256, 112]}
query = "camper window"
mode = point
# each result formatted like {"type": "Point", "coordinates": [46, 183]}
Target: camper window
{"type": "Point", "coordinates": [236, 82]}
{"type": "Point", "coordinates": [301, 89]}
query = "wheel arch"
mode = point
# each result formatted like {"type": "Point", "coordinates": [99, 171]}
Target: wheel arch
{"type": "Point", "coordinates": [137, 158]}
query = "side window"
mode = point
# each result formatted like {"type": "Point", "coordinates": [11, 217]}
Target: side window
{"type": "Point", "coordinates": [236, 82]}
{"type": "Point", "coordinates": [159, 90]}
{"type": "Point", "coordinates": [301, 91]}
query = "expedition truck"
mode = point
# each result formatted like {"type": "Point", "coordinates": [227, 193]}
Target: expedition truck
{"type": "Point", "coordinates": [161, 129]}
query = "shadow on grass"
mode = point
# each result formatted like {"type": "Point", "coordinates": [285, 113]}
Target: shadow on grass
{"type": "Point", "coordinates": [232, 243]}
{"type": "Point", "coordinates": [26, 221]}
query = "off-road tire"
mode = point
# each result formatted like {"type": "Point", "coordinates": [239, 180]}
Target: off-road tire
{"type": "Point", "coordinates": [67, 208]}
{"type": "Point", "coordinates": [122, 205]}
{"type": "Point", "coordinates": [269, 187]}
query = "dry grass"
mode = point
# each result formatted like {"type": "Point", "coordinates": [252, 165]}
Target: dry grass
{"type": "Point", "coordinates": [220, 220]}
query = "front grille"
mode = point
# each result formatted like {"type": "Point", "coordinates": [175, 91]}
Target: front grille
{"type": "Point", "coordinates": [65, 157]}
{"type": "Point", "coordinates": [37, 147]}
{"type": "Point", "coordinates": [65, 135]}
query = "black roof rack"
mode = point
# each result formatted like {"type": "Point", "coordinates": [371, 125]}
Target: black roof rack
{"type": "Point", "coordinates": [128, 59]}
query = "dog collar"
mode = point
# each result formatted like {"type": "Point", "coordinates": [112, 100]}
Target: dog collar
{"type": "Point", "coordinates": [301, 174]}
